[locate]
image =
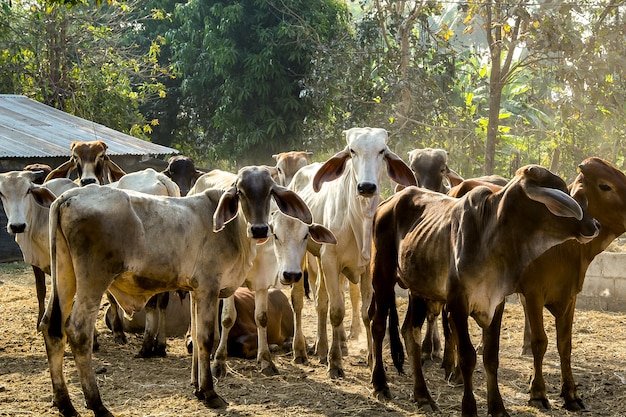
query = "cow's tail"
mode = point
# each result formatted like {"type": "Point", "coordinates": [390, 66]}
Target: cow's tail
{"type": "Point", "coordinates": [395, 344]}
{"type": "Point", "coordinates": [51, 321]}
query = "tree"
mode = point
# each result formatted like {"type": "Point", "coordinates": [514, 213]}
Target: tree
{"type": "Point", "coordinates": [244, 66]}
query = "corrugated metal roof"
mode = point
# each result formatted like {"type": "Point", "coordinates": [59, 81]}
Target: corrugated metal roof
{"type": "Point", "coordinates": [32, 129]}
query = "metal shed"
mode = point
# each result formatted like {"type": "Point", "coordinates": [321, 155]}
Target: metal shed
{"type": "Point", "coordinates": [32, 132]}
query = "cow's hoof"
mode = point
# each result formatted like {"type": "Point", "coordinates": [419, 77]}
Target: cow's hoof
{"type": "Point", "coordinates": [382, 394]}
{"type": "Point", "coordinates": [120, 339]}
{"type": "Point", "coordinates": [270, 370]}
{"type": "Point", "coordinates": [219, 371]}
{"type": "Point", "coordinates": [539, 403]}
{"type": "Point", "coordinates": [336, 373]}
{"type": "Point", "coordinates": [159, 351]}
{"type": "Point", "coordinates": [68, 411]}
{"type": "Point", "coordinates": [428, 407]}
{"type": "Point", "coordinates": [301, 360]}
{"type": "Point", "coordinates": [215, 402]}
{"type": "Point", "coordinates": [189, 346]}
{"type": "Point", "coordinates": [575, 405]}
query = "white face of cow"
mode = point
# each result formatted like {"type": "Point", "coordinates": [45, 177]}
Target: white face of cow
{"type": "Point", "coordinates": [367, 147]}
{"type": "Point", "coordinates": [15, 190]}
{"type": "Point", "coordinates": [290, 240]}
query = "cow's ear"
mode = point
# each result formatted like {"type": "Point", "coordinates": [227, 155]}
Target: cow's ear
{"type": "Point", "coordinates": [398, 170]}
{"type": "Point", "coordinates": [331, 169]}
{"type": "Point", "coordinates": [43, 196]}
{"type": "Point", "coordinates": [62, 171]}
{"type": "Point", "coordinates": [290, 204]}
{"type": "Point", "coordinates": [114, 171]}
{"type": "Point", "coordinates": [227, 209]}
{"type": "Point", "coordinates": [321, 234]}
{"type": "Point", "coordinates": [558, 202]}
{"type": "Point", "coordinates": [454, 178]}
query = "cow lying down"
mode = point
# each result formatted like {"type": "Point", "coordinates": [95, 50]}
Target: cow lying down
{"type": "Point", "coordinates": [243, 339]}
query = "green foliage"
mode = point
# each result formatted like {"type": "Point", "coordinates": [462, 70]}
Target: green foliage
{"type": "Point", "coordinates": [244, 66]}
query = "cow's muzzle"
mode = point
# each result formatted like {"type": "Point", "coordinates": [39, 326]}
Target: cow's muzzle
{"type": "Point", "coordinates": [17, 228]}
{"type": "Point", "coordinates": [367, 188]}
{"type": "Point", "coordinates": [288, 278]}
{"type": "Point", "coordinates": [259, 231]}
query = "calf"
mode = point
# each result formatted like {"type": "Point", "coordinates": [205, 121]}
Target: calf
{"type": "Point", "coordinates": [91, 162]}
{"type": "Point", "coordinates": [103, 238]}
{"type": "Point", "coordinates": [242, 337]}
{"type": "Point", "coordinates": [277, 262]}
{"type": "Point", "coordinates": [468, 253]}
{"type": "Point", "coordinates": [556, 277]}
{"type": "Point", "coordinates": [27, 220]}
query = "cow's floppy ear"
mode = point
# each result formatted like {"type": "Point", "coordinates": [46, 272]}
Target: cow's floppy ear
{"type": "Point", "coordinates": [291, 204]}
{"type": "Point", "coordinates": [398, 170]}
{"type": "Point", "coordinates": [454, 178]}
{"type": "Point", "coordinates": [227, 209]}
{"type": "Point", "coordinates": [321, 234]}
{"type": "Point", "coordinates": [331, 169]}
{"type": "Point", "coordinates": [62, 171]}
{"type": "Point", "coordinates": [114, 171]}
{"type": "Point", "coordinates": [558, 202]}
{"type": "Point", "coordinates": [43, 196]}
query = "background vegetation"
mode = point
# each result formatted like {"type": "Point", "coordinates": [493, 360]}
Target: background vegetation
{"type": "Point", "coordinates": [498, 84]}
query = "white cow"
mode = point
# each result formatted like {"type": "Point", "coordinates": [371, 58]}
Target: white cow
{"type": "Point", "coordinates": [343, 194]}
{"type": "Point", "coordinates": [278, 262]}
{"type": "Point", "coordinates": [28, 220]}
{"type": "Point", "coordinates": [104, 238]}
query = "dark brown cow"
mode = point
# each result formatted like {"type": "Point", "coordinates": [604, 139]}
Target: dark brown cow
{"type": "Point", "coordinates": [555, 278]}
{"type": "Point", "coordinates": [431, 169]}
{"type": "Point", "coordinates": [243, 338]}
{"type": "Point", "coordinates": [92, 164]}
{"type": "Point", "coordinates": [182, 170]}
{"type": "Point", "coordinates": [465, 252]}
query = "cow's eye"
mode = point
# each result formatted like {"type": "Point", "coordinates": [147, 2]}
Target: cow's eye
{"type": "Point", "coordinates": [605, 187]}
{"type": "Point", "coordinates": [352, 152]}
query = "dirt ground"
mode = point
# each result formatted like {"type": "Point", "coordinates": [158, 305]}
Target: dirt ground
{"type": "Point", "coordinates": [161, 387]}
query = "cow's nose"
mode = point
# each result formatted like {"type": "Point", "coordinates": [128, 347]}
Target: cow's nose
{"type": "Point", "coordinates": [259, 231]}
{"type": "Point", "coordinates": [17, 227]}
{"type": "Point", "coordinates": [366, 188]}
{"type": "Point", "coordinates": [87, 181]}
{"type": "Point", "coordinates": [289, 278]}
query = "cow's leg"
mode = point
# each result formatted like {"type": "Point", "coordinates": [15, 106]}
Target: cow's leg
{"type": "Point", "coordinates": [450, 364]}
{"type": "Point", "coordinates": [366, 297]}
{"type": "Point", "coordinates": [533, 312]}
{"type": "Point", "coordinates": [491, 344]}
{"type": "Point", "coordinates": [431, 346]}
{"type": "Point", "coordinates": [382, 296]}
{"type": "Point", "coordinates": [458, 310]}
{"type": "Point", "coordinates": [80, 328]}
{"type": "Point", "coordinates": [40, 286]}
{"type": "Point", "coordinates": [192, 331]}
{"type": "Point", "coordinates": [150, 329]}
{"type": "Point", "coordinates": [321, 306]}
{"type": "Point", "coordinates": [526, 346]}
{"type": "Point", "coordinates": [355, 297]}
{"type": "Point", "coordinates": [204, 335]}
{"type": "Point", "coordinates": [299, 341]}
{"type": "Point", "coordinates": [337, 312]}
{"type": "Point", "coordinates": [564, 324]}
{"type": "Point", "coordinates": [264, 357]}
{"type": "Point", "coordinates": [117, 325]}
{"type": "Point", "coordinates": [161, 338]}
{"type": "Point", "coordinates": [52, 326]}
{"type": "Point", "coordinates": [229, 316]}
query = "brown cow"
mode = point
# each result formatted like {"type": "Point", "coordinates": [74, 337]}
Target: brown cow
{"type": "Point", "coordinates": [91, 162]}
{"type": "Point", "coordinates": [243, 338]}
{"type": "Point", "coordinates": [288, 163]}
{"type": "Point", "coordinates": [465, 252]}
{"type": "Point", "coordinates": [555, 278]}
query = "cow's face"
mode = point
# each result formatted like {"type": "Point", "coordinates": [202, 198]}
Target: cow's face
{"type": "Point", "coordinates": [19, 196]}
{"type": "Point", "coordinates": [288, 163]}
{"type": "Point", "coordinates": [182, 170]}
{"type": "Point", "coordinates": [367, 149]}
{"type": "Point", "coordinates": [89, 159]}
{"type": "Point", "coordinates": [603, 187]}
{"type": "Point", "coordinates": [290, 238]}
{"type": "Point", "coordinates": [430, 167]}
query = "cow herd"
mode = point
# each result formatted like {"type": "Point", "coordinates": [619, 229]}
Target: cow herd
{"type": "Point", "coordinates": [458, 246]}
